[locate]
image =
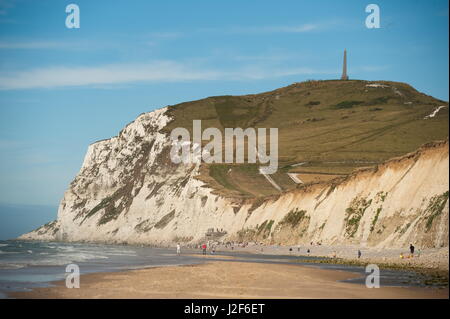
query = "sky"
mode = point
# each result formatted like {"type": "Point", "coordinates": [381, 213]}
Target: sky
{"type": "Point", "coordinates": [62, 89]}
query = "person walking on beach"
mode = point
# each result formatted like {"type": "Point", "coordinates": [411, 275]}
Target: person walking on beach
{"type": "Point", "coordinates": [204, 249]}
{"type": "Point", "coordinates": [359, 253]}
{"type": "Point", "coordinates": [178, 249]}
{"type": "Point", "coordinates": [411, 249]}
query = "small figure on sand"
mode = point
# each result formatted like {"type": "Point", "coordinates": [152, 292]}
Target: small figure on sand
{"type": "Point", "coordinates": [204, 249]}
{"type": "Point", "coordinates": [178, 249]}
{"type": "Point", "coordinates": [411, 249]}
{"type": "Point", "coordinates": [359, 253]}
{"type": "Point", "coordinates": [308, 251]}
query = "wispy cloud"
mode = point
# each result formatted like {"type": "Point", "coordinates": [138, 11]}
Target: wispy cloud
{"type": "Point", "coordinates": [263, 29]}
{"type": "Point", "coordinates": [280, 29]}
{"type": "Point", "coordinates": [38, 44]}
{"type": "Point", "coordinates": [88, 44]}
{"type": "Point", "coordinates": [151, 39]}
{"type": "Point", "coordinates": [5, 5]}
{"type": "Point", "coordinates": [236, 30]}
{"type": "Point", "coordinates": [108, 74]}
{"type": "Point", "coordinates": [157, 71]}
{"type": "Point", "coordinates": [31, 45]}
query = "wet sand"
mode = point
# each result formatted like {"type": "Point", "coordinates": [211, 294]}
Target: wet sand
{"type": "Point", "coordinates": [221, 279]}
{"type": "Point", "coordinates": [430, 258]}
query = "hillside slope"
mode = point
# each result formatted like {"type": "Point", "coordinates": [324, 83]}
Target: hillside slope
{"type": "Point", "coordinates": [331, 126]}
{"type": "Point", "coordinates": [128, 190]}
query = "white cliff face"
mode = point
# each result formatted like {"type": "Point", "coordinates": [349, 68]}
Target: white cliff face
{"type": "Point", "coordinates": [128, 190]}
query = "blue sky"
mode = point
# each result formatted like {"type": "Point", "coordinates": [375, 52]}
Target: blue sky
{"type": "Point", "coordinates": [62, 89]}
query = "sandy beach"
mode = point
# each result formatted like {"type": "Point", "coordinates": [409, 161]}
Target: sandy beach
{"type": "Point", "coordinates": [221, 279]}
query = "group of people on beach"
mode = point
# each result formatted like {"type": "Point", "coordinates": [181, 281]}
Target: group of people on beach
{"type": "Point", "coordinates": [205, 246]}
{"type": "Point", "coordinates": [411, 252]}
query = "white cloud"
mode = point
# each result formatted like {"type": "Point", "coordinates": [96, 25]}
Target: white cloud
{"type": "Point", "coordinates": [158, 71]}
{"type": "Point", "coordinates": [264, 29]}
{"type": "Point", "coordinates": [108, 74]}
{"type": "Point", "coordinates": [84, 45]}
{"type": "Point", "coordinates": [30, 45]}
{"type": "Point", "coordinates": [152, 38]}
{"type": "Point", "coordinates": [289, 29]}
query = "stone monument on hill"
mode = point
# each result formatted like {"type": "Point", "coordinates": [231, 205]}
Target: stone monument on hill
{"type": "Point", "coordinates": [344, 67]}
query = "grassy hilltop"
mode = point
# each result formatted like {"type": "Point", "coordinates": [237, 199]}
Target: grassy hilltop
{"type": "Point", "coordinates": [332, 126]}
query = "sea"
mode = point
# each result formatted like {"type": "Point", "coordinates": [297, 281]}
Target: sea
{"type": "Point", "coordinates": [25, 265]}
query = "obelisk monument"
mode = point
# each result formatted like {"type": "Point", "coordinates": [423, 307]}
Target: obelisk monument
{"type": "Point", "coordinates": [344, 67]}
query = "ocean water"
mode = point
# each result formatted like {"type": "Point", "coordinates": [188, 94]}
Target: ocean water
{"type": "Point", "coordinates": [26, 265]}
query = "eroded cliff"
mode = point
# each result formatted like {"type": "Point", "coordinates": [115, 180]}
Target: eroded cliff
{"type": "Point", "coordinates": [129, 191]}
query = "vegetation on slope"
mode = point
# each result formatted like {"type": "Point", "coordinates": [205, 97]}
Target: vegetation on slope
{"type": "Point", "coordinates": [331, 126]}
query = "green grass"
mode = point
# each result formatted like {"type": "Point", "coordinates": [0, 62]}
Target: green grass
{"type": "Point", "coordinates": [354, 213]}
{"type": "Point", "coordinates": [347, 104]}
{"type": "Point", "coordinates": [353, 130]}
{"type": "Point", "coordinates": [293, 218]}
{"type": "Point", "coordinates": [220, 173]}
{"type": "Point", "coordinates": [379, 100]}
{"type": "Point", "coordinates": [312, 103]}
{"type": "Point", "coordinates": [265, 228]}
{"type": "Point", "coordinates": [375, 218]}
{"type": "Point", "coordinates": [435, 207]}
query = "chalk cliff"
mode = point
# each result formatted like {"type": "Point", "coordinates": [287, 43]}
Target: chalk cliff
{"type": "Point", "coordinates": [129, 191]}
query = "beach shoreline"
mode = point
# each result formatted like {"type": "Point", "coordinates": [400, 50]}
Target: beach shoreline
{"type": "Point", "coordinates": [427, 258]}
{"type": "Point", "coordinates": [318, 267]}
{"type": "Point", "coordinates": [223, 280]}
